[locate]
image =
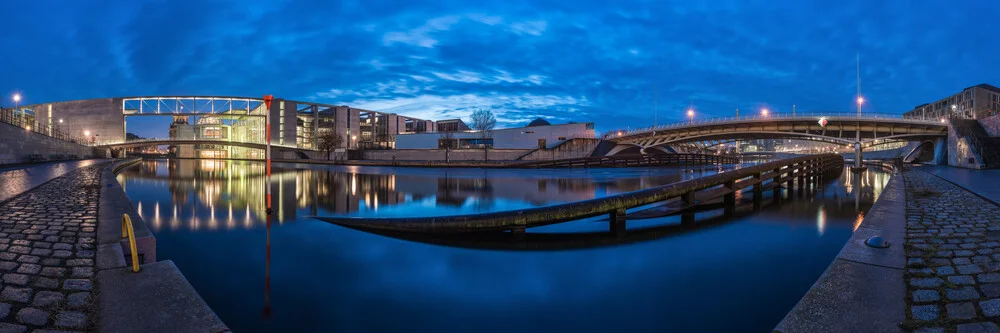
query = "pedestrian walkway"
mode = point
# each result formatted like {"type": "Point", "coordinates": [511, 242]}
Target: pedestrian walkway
{"type": "Point", "coordinates": [20, 179]}
{"type": "Point", "coordinates": [47, 252]}
{"type": "Point", "coordinates": [985, 183]}
{"type": "Point", "coordinates": [953, 256]}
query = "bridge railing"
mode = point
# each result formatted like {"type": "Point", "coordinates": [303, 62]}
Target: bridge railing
{"type": "Point", "coordinates": [166, 141]}
{"type": "Point", "coordinates": [773, 116]}
{"type": "Point", "coordinates": [798, 170]}
{"type": "Point", "coordinates": [629, 161]}
{"type": "Point", "coordinates": [28, 123]}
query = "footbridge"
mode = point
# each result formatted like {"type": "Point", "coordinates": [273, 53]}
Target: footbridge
{"type": "Point", "coordinates": [846, 129]}
{"type": "Point", "coordinates": [170, 142]}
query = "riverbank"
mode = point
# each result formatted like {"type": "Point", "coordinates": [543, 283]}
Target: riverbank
{"type": "Point", "coordinates": [862, 290]}
{"type": "Point", "coordinates": [941, 272]}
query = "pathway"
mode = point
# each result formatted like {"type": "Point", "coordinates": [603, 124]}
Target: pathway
{"type": "Point", "coordinates": [47, 241]}
{"type": "Point", "coordinates": [19, 179]}
{"type": "Point", "coordinates": [953, 256]}
{"type": "Point", "coordinates": [982, 182]}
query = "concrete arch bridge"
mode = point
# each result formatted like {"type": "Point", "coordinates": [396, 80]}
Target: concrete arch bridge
{"type": "Point", "coordinates": [862, 132]}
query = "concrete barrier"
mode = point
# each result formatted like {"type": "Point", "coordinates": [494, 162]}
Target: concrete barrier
{"type": "Point", "coordinates": [18, 146]}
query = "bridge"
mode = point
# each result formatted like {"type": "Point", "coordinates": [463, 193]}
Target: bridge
{"type": "Point", "coordinates": [845, 129]}
{"type": "Point", "coordinates": [203, 141]}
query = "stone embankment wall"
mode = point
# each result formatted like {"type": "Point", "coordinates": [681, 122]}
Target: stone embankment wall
{"type": "Point", "coordinates": [960, 152]}
{"type": "Point", "coordinates": [16, 144]}
{"type": "Point", "coordinates": [439, 154]}
{"type": "Point", "coordinates": [575, 148]}
{"type": "Point", "coordinates": [991, 125]}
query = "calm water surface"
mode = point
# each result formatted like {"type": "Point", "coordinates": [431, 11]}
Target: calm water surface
{"type": "Point", "coordinates": [208, 217]}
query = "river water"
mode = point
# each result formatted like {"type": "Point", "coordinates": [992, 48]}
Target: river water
{"type": "Point", "coordinates": [298, 274]}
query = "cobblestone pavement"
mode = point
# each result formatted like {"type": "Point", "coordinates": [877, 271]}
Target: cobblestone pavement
{"type": "Point", "coordinates": [47, 250]}
{"type": "Point", "coordinates": [17, 180]}
{"type": "Point", "coordinates": [953, 257]}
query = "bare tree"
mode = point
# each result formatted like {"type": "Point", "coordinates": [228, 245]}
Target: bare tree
{"type": "Point", "coordinates": [446, 140]}
{"type": "Point", "coordinates": [329, 141]}
{"type": "Point", "coordinates": [483, 122]}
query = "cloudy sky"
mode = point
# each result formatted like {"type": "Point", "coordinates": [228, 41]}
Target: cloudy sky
{"type": "Point", "coordinates": [600, 61]}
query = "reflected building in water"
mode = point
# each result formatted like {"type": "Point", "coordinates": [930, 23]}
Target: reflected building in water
{"type": "Point", "coordinates": [228, 194]}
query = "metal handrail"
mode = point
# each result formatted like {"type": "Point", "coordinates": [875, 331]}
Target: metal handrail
{"type": "Point", "coordinates": [28, 122]}
{"type": "Point", "coordinates": [782, 116]}
{"type": "Point", "coordinates": [127, 231]}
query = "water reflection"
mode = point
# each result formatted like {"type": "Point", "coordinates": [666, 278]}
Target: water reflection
{"type": "Point", "coordinates": [198, 187]}
{"type": "Point", "coordinates": [318, 277]}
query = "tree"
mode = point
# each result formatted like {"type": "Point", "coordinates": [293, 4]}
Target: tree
{"type": "Point", "coordinates": [446, 139]}
{"type": "Point", "coordinates": [483, 122]}
{"type": "Point", "coordinates": [329, 141]}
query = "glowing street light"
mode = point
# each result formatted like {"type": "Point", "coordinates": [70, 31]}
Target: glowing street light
{"type": "Point", "coordinates": [86, 133]}
{"type": "Point", "coordinates": [861, 100]}
{"type": "Point", "coordinates": [17, 99]}
{"type": "Point", "coordinates": [763, 112]}
{"type": "Point", "coordinates": [691, 115]}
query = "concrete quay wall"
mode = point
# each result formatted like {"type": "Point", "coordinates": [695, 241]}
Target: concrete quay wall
{"type": "Point", "coordinates": [16, 144]}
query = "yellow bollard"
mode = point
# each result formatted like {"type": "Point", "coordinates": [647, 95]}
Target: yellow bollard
{"type": "Point", "coordinates": [128, 232]}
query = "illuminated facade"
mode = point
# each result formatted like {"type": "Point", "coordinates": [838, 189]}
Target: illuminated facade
{"type": "Point", "coordinates": [240, 119]}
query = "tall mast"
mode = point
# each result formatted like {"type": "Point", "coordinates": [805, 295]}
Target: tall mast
{"type": "Point", "coordinates": [655, 111]}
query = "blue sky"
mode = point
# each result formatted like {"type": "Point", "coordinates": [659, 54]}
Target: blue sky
{"type": "Point", "coordinates": [566, 60]}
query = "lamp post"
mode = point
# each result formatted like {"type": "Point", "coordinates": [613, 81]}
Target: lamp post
{"type": "Point", "coordinates": [17, 99]}
{"type": "Point", "coordinates": [691, 115]}
{"type": "Point", "coordinates": [764, 112]}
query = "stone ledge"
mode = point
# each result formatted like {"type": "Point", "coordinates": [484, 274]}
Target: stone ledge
{"type": "Point", "coordinates": [157, 299]}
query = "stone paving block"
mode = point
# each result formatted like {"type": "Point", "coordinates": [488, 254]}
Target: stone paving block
{"type": "Point", "coordinates": [926, 282]}
{"type": "Point", "coordinates": [925, 295]}
{"type": "Point", "coordinates": [962, 280]}
{"type": "Point", "coordinates": [991, 308]}
{"type": "Point", "coordinates": [12, 328]}
{"type": "Point", "coordinates": [962, 294]}
{"type": "Point", "coordinates": [980, 327]}
{"type": "Point", "coordinates": [965, 310]}
{"type": "Point", "coordinates": [33, 316]}
{"type": "Point", "coordinates": [925, 312]}
{"type": "Point", "coordinates": [989, 278]}
{"type": "Point", "coordinates": [969, 269]}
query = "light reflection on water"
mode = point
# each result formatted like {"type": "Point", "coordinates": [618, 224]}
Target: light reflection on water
{"type": "Point", "coordinates": [320, 277]}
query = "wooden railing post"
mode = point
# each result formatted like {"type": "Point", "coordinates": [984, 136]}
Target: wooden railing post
{"type": "Point", "coordinates": [729, 200]}
{"type": "Point", "coordinates": [617, 224]}
{"type": "Point", "coordinates": [757, 192]}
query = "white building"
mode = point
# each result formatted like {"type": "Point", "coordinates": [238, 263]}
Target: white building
{"type": "Point", "coordinates": [538, 134]}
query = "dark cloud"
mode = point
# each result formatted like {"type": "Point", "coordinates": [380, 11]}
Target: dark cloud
{"type": "Point", "coordinates": [570, 61]}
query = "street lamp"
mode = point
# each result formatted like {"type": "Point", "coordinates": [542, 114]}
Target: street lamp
{"type": "Point", "coordinates": [691, 115]}
{"type": "Point", "coordinates": [763, 112]}
{"type": "Point", "coordinates": [354, 138]}
{"type": "Point", "coordinates": [17, 99]}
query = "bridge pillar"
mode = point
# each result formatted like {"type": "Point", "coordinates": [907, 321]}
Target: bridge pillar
{"type": "Point", "coordinates": [617, 223]}
{"type": "Point", "coordinates": [858, 155]}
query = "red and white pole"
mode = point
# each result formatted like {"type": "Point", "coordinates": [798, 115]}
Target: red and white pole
{"type": "Point", "coordinates": [267, 151]}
